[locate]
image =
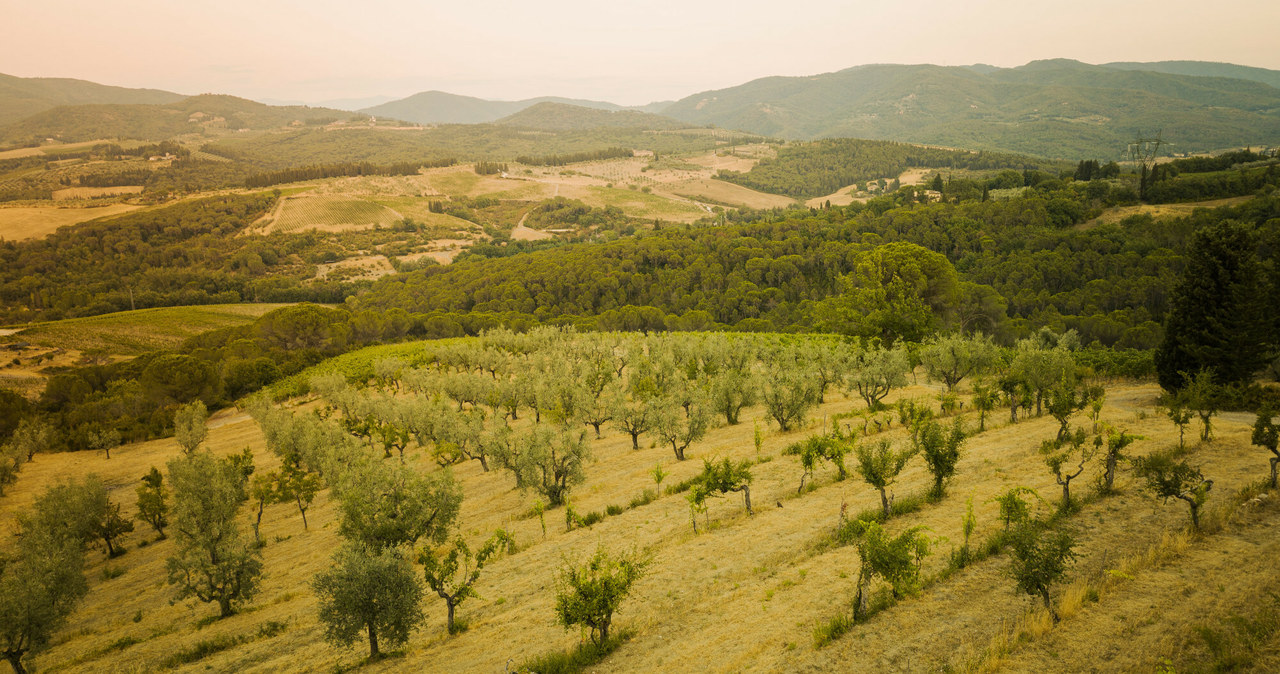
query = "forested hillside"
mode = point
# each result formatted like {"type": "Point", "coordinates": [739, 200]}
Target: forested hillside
{"type": "Point", "coordinates": [1058, 108]}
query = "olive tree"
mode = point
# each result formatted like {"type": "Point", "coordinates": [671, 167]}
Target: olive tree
{"type": "Point", "coordinates": [590, 593]}
{"type": "Point", "coordinates": [789, 394]}
{"type": "Point", "coordinates": [680, 427]}
{"type": "Point", "coordinates": [1058, 453]}
{"type": "Point", "coordinates": [941, 451]}
{"type": "Point", "coordinates": [211, 560]}
{"type": "Point", "coordinates": [819, 448]}
{"type": "Point", "coordinates": [189, 425]}
{"type": "Point", "coordinates": [880, 465]}
{"type": "Point", "coordinates": [551, 461]}
{"type": "Point", "coordinates": [951, 358]}
{"type": "Point", "coordinates": [153, 501]}
{"type": "Point", "coordinates": [453, 574]}
{"type": "Point", "coordinates": [385, 505]}
{"type": "Point", "coordinates": [1266, 434]}
{"type": "Point", "coordinates": [1117, 441]}
{"type": "Point", "coordinates": [895, 559]}
{"type": "Point", "coordinates": [376, 592]}
{"type": "Point", "coordinates": [875, 372]}
{"type": "Point", "coordinates": [1038, 560]}
{"type": "Point", "coordinates": [39, 587]}
{"type": "Point", "coordinates": [1168, 478]}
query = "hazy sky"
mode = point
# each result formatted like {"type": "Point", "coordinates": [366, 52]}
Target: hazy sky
{"type": "Point", "coordinates": [625, 51]}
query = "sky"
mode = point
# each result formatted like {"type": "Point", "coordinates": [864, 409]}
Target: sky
{"type": "Point", "coordinates": [625, 51]}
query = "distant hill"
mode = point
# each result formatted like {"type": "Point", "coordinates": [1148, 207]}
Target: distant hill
{"type": "Point", "coordinates": [565, 117]}
{"type": "Point", "coordinates": [25, 96]}
{"type": "Point", "coordinates": [1057, 108]}
{"type": "Point", "coordinates": [1204, 69]}
{"type": "Point", "coordinates": [158, 122]}
{"type": "Point", "coordinates": [438, 107]}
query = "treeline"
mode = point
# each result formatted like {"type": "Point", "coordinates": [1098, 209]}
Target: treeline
{"type": "Point", "coordinates": [489, 168]}
{"type": "Point", "coordinates": [318, 172]}
{"type": "Point", "coordinates": [1167, 186]}
{"type": "Point", "coordinates": [180, 255]}
{"type": "Point", "coordinates": [1021, 264]}
{"type": "Point", "coordinates": [813, 169]}
{"type": "Point", "coordinates": [134, 177]}
{"type": "Point", "coordinates": [574, 157]}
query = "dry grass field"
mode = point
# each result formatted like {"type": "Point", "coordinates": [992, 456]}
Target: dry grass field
{"type": "Point", "coordinates": [720, 192]}
{"type": "Point", "coordinates": [1114, 215]}
{"type": "Point", "coordinates": [745, 594]}
{"type": "Point", "coordinates": [329, 213]}
{"type": "Point", "coordinates": [94, 192]}
{"type": "Point", "coordinates": [36, 222]}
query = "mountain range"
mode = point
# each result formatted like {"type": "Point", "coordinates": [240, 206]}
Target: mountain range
{"type": "Point", "coordinates": [1052, 108]}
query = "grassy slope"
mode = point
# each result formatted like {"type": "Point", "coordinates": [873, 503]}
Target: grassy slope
{"type": "Point", "coordinates": [130, 333]}
{"type": "Point", "coordinates": [744, 596]}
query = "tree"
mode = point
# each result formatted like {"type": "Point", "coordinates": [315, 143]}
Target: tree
{"type": "Point", "coordinates": [1218, 315]}
{"type": "Point", "coordinates": [590, 593]}
{"type": "Point", "coordinates": [189, 427]}
{"type": "Point", "coordinates": [633, 417]}
{"type": "Point", "coordinates": [818, 448]}
{"type": "Point", "coordinates": [385, 505]}
{"type": "Point", "coordinates": [984, 400]}
{"type": "Point", "coordinates": [941, 451]}
{"type": "Point", "coordinates": [263, 491]}
{"type": "Point", "coordinates": [1181, 417]}
{"type": "Point", "coordinates": [897, 560]}
{"type": "Point", "coordinates": [551, 461]}
{"type": "Point", "coordinates": [951, 358]}
{"type": "Point", "coordinates": [372, 591]}
{"type": "Point", "coordinates": [788, 395]}
{"type": "Point", "coordinates": [1168, 478]}
{"type": "Point", "coordinates": [1266, 434]}
{"type": "Point", "coordinates": [879, 465]}
{"type": "Point", "coordinates": [99, 437]}
{"type": "Point", "coordinates": [1200, 394]}
{"type": "Point", "coordinates": [731, 391]}
{"type": "Point", "coordinates": [1059, 452]}
{"type": "Point", "coordinates": [1065, 400]}
{"type": "Point", "coordinates": [1013, 509]}
{"type": "Point", "coordinates": [299, 486]}
{"type": "Point", "coordinates": [80, 511]}
{"type": "Point", "coordinates": [31, 436]}
{"type": "Point", "coordinates": [1117, 441]}
{"type": "Point", "coordinates": [211, 561]}
{"type": "Point", "coordinates": [1038, 560]}
{"type": "Point", "coordinates": [11, 460]}
{"type": "Point", "coordinates": [39, 588]}
{"type": "Point", "coordinates": [722, 477]}
{"type": "Point", "coordinates": [453, 575]}
{"type": "Point", "coordinates": [679, 428]}
{"type": "Point", "coordinates": [876, 372]}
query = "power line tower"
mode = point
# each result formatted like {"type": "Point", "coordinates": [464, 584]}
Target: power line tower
{"type": "Point", "coordinates": [1143, 151]}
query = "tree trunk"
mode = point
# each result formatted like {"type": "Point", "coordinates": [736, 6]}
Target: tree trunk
{"type": "Point", "coordinates": [224, 606]}
{"type": "Point", "coordinates": [15, 660]}
{"type": "Point", "coordinates": [679, 451]}
{"type": "Point", "coordinates": [1044, 594]}
{"type": "Point", "coordinates": [604, 632]}
{"type": "Point", "coordinates": [884, 503]}
{"type": "Point", "coordinates": [304, 514]}
{"type": "Point", "coordinates": [1195, 515]}
{"type": "Point", "coordinates": [1274, 463]}
{"type": "Point", "coordinates": [111, 549]}
{"type": "Point", "coordinates": [635, 439]}
{"type": "Point", "coordinates": [373, 642]}
{"type": "Point", "coordinates": [484, 463]}
{"type": "Point", "coordinates": [449, 603]}
{"type": "Point", "coordinates": [596, 425]}
{"type": "Point", "coordinates": [746, 494]}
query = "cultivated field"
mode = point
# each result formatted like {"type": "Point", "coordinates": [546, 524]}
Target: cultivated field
{"type": "Point", "coordinates": [329, 214]}
{"type": "Point", "coordinates": [35, 222]}
{"type": "Point", "coordinates": [745, 594]}
{"type": "Point", "coordinates": [108, 337]}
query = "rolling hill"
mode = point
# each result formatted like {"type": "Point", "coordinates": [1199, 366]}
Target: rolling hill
{"type": "Point", "coordinates": [1204, 69]}
{"type": "Point", "coordinates": [1057, 108]}
{"type": "Point", "coordinates": [551, 116]}
{"type": "Point", "coordinates": [158, 122]}
{"type": "Point", "coordinates": [25, 96]}
{"type": "Point", "coordinates": [438, 107]}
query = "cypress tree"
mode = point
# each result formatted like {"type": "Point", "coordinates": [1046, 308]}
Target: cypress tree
{"type": "Point", "coordinates": [1218, 313]}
